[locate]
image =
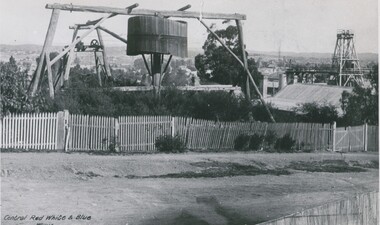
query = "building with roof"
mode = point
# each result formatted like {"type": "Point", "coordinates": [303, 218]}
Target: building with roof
{"type": "Point", "coordinates": [293, 95]}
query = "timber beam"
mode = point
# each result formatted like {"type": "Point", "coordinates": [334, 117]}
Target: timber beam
{"type": "Point", "coordinates": [145, 12]}
{"type": "Point", "coordinates": [86, 27]}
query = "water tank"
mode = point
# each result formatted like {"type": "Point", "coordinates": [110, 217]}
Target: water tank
{"type": "Point", "coordinates": [148, 34]}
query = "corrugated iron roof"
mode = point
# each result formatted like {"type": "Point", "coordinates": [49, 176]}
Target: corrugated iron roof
{"type": "Point", "coordinates": [295, 94]}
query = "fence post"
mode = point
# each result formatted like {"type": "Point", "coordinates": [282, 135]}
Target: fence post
{"type": "Point", "coordinates": [365, 136]}
{"type": "Point", "coordinates": [62, 123]}
{"type": "Point", "coordinates": [334, 135]}
{"type": "Point", "coordinates": [172, 126]}
{"type": "Point", "coordinates": [1, 130]}
{"type": "Point", "coordinates": [116, 135]}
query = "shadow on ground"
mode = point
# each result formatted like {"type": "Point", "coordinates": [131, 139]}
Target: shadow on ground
{"type": "Point", "coordinates": [212, 213]}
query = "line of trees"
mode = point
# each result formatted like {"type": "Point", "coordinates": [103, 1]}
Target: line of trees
{"type": "Point", "coordinates": [84, 96]}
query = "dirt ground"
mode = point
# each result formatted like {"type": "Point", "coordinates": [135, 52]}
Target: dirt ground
{"type": "Point", "coordinates": [133, 189]}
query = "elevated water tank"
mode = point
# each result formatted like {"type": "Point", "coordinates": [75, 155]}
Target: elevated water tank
{"type": "Point", "coordinates": [149, 35]}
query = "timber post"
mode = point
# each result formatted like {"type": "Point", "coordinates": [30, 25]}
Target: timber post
{"type": "Point", "coordinates": [173, 127]}
{"type": "Point", "coordinates": [104, 52]}
{"type": "Point", "coordinates": [45, 49]}
{"type": "Point", "coordinates": [156, 72]}
{"type": "Point", "coordinates": [50, 75]}
{"type": "Point", "coordinates": [62, 127]}
{"type": "Point", "coordinates": [97, 65]}
{"type": "Point", "coordinates": [116, 135]}
{"type": "Point", "coordinates": [70, 57]}
{"type": "Point", "coordinates": [244, 56]}
{"type": "Point", "coordinates": [365, 136]}
{"type": "Point", "coordinates": [334, 136]}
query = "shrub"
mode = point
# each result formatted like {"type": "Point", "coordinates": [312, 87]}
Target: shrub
{"type": "Point", "coordinates": [241, 142]}
{"type": "Point", "coordinates": [167, 143]}
{"type": "Point", "coordinates": [285, 144]}
{"type": "Point", "coordinates": [270, 138]}
{"type": "Point", "coordinates": [255, 142]}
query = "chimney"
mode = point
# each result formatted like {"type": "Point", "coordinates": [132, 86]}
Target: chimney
{"type": "Point", "coordinates": [264, 86]}
{"type": "Point", "coordinates": [282, 81]}
{"type": "Point", "coordinates": [295, 79]}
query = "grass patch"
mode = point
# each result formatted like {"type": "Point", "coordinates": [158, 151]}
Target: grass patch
{"type": "Point", "coordinates": [374, 164]}
{"type": "Point", "coordinates": [89, 174]}
{"type": "Point", "coordinates": [219, 169]}
{"type": "Point", "coordinates": [331, 166]}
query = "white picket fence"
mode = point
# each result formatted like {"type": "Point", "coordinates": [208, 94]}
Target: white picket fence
{"type": "Point", "coordinates": [58, 131]}
{"type": "Point", "coordinates": [29, 131]}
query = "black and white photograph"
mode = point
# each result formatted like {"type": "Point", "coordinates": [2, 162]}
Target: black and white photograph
{"type": "Point", "coordinates": [189, 112]}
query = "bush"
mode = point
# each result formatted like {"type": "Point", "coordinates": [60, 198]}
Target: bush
{"type": "Point", "coordinates": [241, 142]}
{"type": "Point", "coordinates": [285, 144]}
{"type": "Point", "coordinates": [255, 142]}
{"type": "Point", "coordinates": [169, 144]}
{"type": "Point", "coordinates": [113, 144]}
{"type": "Point", "coordinates": [270, 138]}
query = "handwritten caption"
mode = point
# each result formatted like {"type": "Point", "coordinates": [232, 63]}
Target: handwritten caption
{"type": "Point", "coordinates": [51, 218]}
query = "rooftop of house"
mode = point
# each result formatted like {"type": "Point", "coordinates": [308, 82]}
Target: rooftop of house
{"type": "Point", "coordinates": [295, 94]}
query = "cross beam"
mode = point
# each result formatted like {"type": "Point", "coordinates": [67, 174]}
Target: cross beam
{"type": "Point", "coordinates": [145, 12]}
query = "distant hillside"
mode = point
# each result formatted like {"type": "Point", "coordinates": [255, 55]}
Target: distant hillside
{"type": "Point", "coordinates": [26, 48]}
{"type": "Point", "coordinates": [362, 56]}
{"type": "Point", "coordinates": [192, 52]}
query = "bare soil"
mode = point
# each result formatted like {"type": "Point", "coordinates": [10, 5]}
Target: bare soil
{"type": "Point", "coordinates": [189, 188]}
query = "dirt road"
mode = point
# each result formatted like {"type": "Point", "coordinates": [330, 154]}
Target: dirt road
{"type": "Point", "coordinates": [191, 188]}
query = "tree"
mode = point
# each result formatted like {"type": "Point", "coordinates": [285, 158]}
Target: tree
{"type": "Point", "coordinates": [218, 65]}
{"type": "Point", "coordinates": [361, 106]}
{"type": "Point", "coordinates": [316, 113]}
{"type": "Point", "coordinates": [14, 89]}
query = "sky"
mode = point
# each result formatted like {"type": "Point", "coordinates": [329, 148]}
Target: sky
{"type": "Point", "coordinates": [271, 25]}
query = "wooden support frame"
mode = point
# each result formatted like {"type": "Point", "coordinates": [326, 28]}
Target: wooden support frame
{"type": "Point", "coordinates": [166, 67]}
{"type": "Point", "coordinates": [244, 56]}
{"type": "Point", "coordinates": [50, 75]}
{"type": "Point", "coordinates": [145, 12]}
{"type": "Point", "coordinates": [97, 65]}
{"type": "Point", "coordinates": [105, 59]}
{"type": "Point", "coordinates": [146, 65]}
{"type": "Point", "coordinates": [49, 40]}
{"type": "Point", "coordinates": [45, 49]}
{"type": "Point", "coordinates": [72, 45]}
{"type": "Point", "coordinates": [181, 13]}
{"type": "Point", "coordinates": [85, 27]}
{"type": "Point", "coordinates": [113, 35]}
{"type": "Point", "coordinates": [129, 9]}
{"type": "Point", "coordinates": [70, 56]}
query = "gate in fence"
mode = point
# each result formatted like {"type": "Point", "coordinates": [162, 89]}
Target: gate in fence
{"type": "Point", "coordinates": [138, 133]}
{"type": "Point", "coordinates": [358, 138]}
{"type": "Point", "coordinates": [58, 131]}
{"type": "Point", "coordinates": [93, 133]}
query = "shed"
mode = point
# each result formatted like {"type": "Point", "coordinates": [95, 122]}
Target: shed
{"type": "Point", "coordinates": [294, 94]}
